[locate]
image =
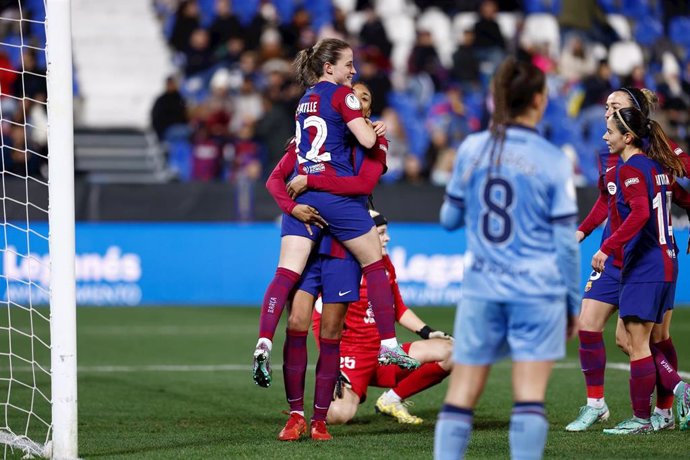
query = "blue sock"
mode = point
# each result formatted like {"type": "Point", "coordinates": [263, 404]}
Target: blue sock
{"type": "Point", "coordinates": [528, 430]}
{"type": "Point", "coordinates": [453, 430]}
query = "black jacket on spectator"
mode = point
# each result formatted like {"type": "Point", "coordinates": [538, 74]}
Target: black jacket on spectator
{"type": "Point", "coordinates": [488, 35]}
{"type": "Point", "coordinates": [168, 110]}
{"type": "Point", "coordinates": [465, 65]}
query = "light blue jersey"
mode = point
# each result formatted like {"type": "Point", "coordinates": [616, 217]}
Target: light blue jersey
{"type": "Point", "coordinates": [514, 214]}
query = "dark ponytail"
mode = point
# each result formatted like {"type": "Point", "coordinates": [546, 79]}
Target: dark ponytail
{"type": "Point", "coordinates": [633, 121]}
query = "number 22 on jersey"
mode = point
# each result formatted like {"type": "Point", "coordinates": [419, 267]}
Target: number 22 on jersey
{"type": "Point", "coordinates": [313, 155]}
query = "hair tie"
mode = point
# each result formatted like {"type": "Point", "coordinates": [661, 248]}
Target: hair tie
{"type": "Point", "coordinates": [620, 117]}
{"type": "Point", "coordinates": [634, 99]}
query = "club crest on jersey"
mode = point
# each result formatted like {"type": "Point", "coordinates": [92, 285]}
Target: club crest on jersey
{"type": "Point", "coordinates": [632, 181]}
{"type": "Point", "coordinates": [317, 168]}
{"type": "Point", "coordinates": [352, 102]}
{"type": "Point", "coordinates": [612, 188]}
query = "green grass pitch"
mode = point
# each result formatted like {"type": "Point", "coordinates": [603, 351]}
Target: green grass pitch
{"type": "Point", "coordinates": [175, 383]}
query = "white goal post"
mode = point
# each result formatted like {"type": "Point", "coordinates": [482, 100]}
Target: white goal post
{"type": "Point", "coordinates": [38, 356]}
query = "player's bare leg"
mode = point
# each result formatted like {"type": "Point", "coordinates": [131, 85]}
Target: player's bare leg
{"type": "Point", "coordinates": [344, 408]}
{"type": "Point", "coordinates": [294, 252]}
{"type": "Point", "coordinates": [368, 252]}
{"type": "Point", "coordinates": [592, 320]}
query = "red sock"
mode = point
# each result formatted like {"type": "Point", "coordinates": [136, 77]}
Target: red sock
{"type": "Point", "coordinates": [593, 362]}
{"type": "Point", "coordinates": [295, 368]}
{"type": "Point", "coordinates": [664, 397]}
{"type": "Point", "coordinates": [327, 371]}
{"type": "Point", "coordinates": [642, 381]}
{"type": "Point", "coordinates": [274, 301]}
{"type": "Point", "coordinates": [381, 298]}
{"type": "Point", "coordinates": [666, 375]}
{"type": "Point", "coordinates": [427, 375]}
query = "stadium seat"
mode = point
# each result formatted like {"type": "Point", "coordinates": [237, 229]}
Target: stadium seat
{"type": "Point", "coordinates": [245, 10]}
{"type": "Point", "coordinates": [508, 23]}
{"type": "Point", "coordinates": [400, 29]}
{"type": "Point", "coordinates": [624, 56]}
{"type": "Point", "coordinates": [354, 21]}
{"type": "Point", "coordinates": [542, 28]}
{"type": "Point", "coordinates": [438, 23]}
{"type": "Point", "coordinates": [542, 6]}
{"type": "Point", "coordinates": [679, 31]}
{"type": "Point", "coordinates": [640, 9]}
{"type": "Point", "coordinates": [348, 6]}
{"type": "Point", "coordinates": [321, 12]}
{"type": "Point", "coordinates": [462, 22]}
{"type": "Point", "coordinates": [620, 24]}
{"type": "Point", "coordinates": [208, 11]}
{"type": "Point", "coordinates": [385, 8]}
{"type": "Point", "coordinates": [648, 30]}
{"type": "Point", "coordinates": [285, 9]}
{"type": "Point", "coordinates": [610, 6]}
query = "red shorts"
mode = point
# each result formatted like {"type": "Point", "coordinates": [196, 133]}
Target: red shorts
{"type": "Point", "coordinates": [364, 371]}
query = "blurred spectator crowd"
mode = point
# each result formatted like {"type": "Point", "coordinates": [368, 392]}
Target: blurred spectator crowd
{"type": "Point", "coordinates": [229, 111]}
{"type": "Point", "coordinates": [23, 89]}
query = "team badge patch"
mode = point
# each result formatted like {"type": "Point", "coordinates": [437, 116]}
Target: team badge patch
{"type": "Point", "coordinates": [352, 102]}
{"type": "Point", "coordinates": [612, 188]}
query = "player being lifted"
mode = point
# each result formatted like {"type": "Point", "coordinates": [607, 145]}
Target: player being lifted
{"type": "Point", "coordinates": [325, 114]}
{"type": "Point", "coordinates": [331, 272]}
{"type": "Point", "coordinates": [515, 194]}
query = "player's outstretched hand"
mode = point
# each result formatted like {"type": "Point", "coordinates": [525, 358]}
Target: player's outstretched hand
{"type": "Point", "coordinates": [379, 128]}
{"type": "Point", "coordinates": [296, 186]}
{"type": "Point", "coordinates": [428, 333]}
{"type": "Point", "coordinates": [308, 215]}
{"type": "Point", "coordinates": [598, 261]}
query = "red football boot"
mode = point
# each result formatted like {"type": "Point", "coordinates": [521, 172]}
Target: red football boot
{"type": "Point", "coordinates": [295, 427]}
{"type": "Point", "coordinates": [319, 431]}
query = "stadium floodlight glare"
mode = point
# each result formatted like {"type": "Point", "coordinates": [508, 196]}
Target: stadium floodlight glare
{"type": "Point", "coordinates": [38, 359]}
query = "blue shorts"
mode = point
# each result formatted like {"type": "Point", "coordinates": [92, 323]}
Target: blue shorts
{"type": "Point", "coordinates": [347, 217]}
{"type": "Point", "coordinates": [290, 225]}
{"type": "Point", "coordinates": [647, 301]}
{"type": "Point", "coordinates": [603, 287]}
{"type": "Point", "coordinates": [337, 280]}
{"type": "Point", "coordinates": [487, 331]}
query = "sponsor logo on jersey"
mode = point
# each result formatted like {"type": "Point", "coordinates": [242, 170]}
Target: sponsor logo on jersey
{"type": "Point", "coordinates": [383, 147]}
{"type": "Point", "coordinates": [632, 181]}
{"type": "Point", "coordinates": [662, 179]}
{"type": "Point", "coordinates": [317, 168]}
{"type": "Point", "coordinates": [612, 188]}
{"type": "Point", "coordinates": [352, 102]}
{"type": "Point", "coordinates": [610, 168]}
{"type": "Point", "coordinates": [678, 151]}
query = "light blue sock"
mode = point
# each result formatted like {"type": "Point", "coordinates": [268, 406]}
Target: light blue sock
{"type": "Point", "coordinates": [453, 430]}
{"type": "Point", "coordinates": [528, 430]}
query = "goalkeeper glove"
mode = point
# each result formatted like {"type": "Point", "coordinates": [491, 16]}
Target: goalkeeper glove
{"type": "Point", "coordinates": [428, 333]}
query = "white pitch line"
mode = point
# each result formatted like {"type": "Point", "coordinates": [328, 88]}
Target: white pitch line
{"type": "Point", "coordinates": [246, 367]}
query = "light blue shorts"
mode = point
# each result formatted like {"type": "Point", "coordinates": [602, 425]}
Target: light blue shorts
{"type": "Point", "coordinates": [487, 331]}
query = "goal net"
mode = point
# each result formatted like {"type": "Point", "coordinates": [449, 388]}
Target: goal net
{"type": "Point", "coordinates": [37, 298]}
